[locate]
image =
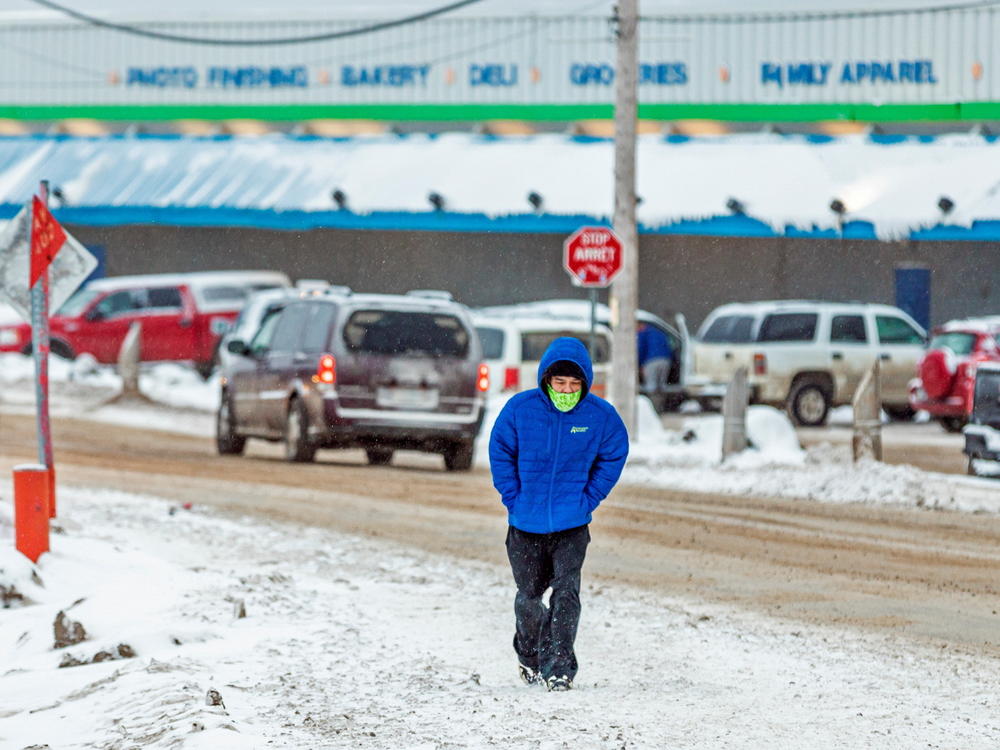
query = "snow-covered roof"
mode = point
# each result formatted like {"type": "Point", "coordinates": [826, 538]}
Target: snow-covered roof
{"type": "Point", "coordinates": [531, 323]}
{"type": "Point", "coordinates": [785, 183]}
{"type": "Point", "coordinates": [197, 279]}
{"type": "Point", "coordinates": [985, 324]}
{"type": "Point", "coordinates": [559, 310]}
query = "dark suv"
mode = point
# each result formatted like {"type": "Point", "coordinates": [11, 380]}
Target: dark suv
{"type": "Point", "coordinates": [342, 370]}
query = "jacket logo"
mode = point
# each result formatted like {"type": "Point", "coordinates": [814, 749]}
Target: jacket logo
{"type": "Point", "coordinates": [578, 429]}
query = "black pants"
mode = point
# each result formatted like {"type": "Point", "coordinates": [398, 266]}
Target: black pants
{"type": "Point", "coordinates": [544, 637]}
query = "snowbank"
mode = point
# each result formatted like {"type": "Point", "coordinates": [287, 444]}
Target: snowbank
{"type": "Point", "coordinates": [356, 642]}
{"type": "Point", "coordinates": [84, 389]}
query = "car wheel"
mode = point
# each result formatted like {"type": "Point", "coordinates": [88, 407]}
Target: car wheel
{"type": "Point", "coordinates": [57, 347]}
{"type": "Point", "coordinates": [298, 448]}
{"type": "Point", "coordinates": [952, 424]}
{"type": "Point", "coordinates": [808, 404]}
{"type": "Point", "coordinates": [379, 456]}
{"type": "Point", "coordinates": [458, 456]}
{"type": "Point", "coordinates": [899, 413]}
{"type": "Point", "coordinates": [227, 442]}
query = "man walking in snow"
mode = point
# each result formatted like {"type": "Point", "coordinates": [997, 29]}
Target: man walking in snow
{"type": "Point", "coordinates": [556, 452]}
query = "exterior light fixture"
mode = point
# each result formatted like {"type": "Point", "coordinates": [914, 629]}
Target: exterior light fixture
{"type": "Point", "coordinates": [946, 204]}
{"type": "Point", "coordinates": [838, 207]}
{"type": "Point", "coordinates": [535, 200]}
{"type": "Point", "coordinates": [735, 206]}
{"type": "Point", "coordinates": [340, 198]}
{"type": "Point", "coordinates": [436, 200]}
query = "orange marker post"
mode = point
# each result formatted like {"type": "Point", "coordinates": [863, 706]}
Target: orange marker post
{"type": "Point", "coordinates": [31, 510]}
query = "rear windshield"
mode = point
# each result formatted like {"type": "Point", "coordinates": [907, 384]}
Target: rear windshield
{"type": "Point", "coordinates": [533, 345]}
{"type": "Point", "coordinates": [412, 333]}
{"type": "Point", "coordinates": [987, 405]}
{"type": "Point", "coordinates": [788, 327]}
{"type": "Point", "coordinates": [729, 329]}
{"type": "Point", "coordinates": [959, 343]}
{"type": "Point", "coordinates": [492, 341]}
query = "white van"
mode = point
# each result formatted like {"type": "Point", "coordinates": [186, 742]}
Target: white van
{"type": "Point", "coordinates": [513, 347]}
{"type": "Point", "coordinates": [576, 313]}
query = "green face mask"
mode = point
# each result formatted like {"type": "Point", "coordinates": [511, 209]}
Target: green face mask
{"type": "Point", "coordinates": [564, 401]}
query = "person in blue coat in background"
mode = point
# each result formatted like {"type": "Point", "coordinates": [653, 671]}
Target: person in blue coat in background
{"type": "Point", "coordinates": [655, 357]}
{"type": "Point", "coordinates": [556, 452]}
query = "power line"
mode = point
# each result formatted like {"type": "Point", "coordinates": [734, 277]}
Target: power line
{"type": "Point", "coordinates": [167, 37]}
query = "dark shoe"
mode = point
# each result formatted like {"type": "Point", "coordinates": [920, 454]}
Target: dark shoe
{"type": "Point", "coordinates": [559, 684]}
{"type": "Point", "coordinates": [528, 675]}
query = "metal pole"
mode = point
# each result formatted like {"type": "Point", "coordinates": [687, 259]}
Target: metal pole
{"type": "Point", "coordinates": [625, 289]}
{"type": "Point", "coordinates": [592, 338]}
{"type": "Point", "coordinates": [40, 349]}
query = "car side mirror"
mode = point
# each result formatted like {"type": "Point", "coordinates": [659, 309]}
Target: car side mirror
{"type": "Point", "coordinates": [94, 313]}
{"type": "Point", "coordinates": [238, 346]}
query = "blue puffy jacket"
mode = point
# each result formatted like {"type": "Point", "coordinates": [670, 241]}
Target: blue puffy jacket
{"type": "Point", "coordinates": [554, 468]}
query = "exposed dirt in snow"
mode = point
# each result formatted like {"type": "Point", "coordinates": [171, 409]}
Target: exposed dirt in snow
{"type": "Point", "coordinates": [932, 576]}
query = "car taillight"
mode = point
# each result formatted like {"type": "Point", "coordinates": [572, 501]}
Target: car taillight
{"type": "Point", "coordinates": [483, 379]}
{"type": "Point", "coordinates": [511, 378]}
{"type": "Point", "coordinates": [759, 364]}
{"type": "Point", "coordinates": [326, 372]}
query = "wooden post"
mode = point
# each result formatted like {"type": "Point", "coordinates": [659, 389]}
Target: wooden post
{"type": "Point", "coordinates": [625, 289]}
{"type": "Point", "coordinates": [734, 414]}
{"type": "Point", "coordinates": [867, 404]}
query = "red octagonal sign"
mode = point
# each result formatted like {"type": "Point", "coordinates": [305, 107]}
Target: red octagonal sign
{"type": "Point", "coordinates": [593, 256]}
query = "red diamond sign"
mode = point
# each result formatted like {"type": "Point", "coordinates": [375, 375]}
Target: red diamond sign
{"type": "Point", "coordinates": [593, 256]}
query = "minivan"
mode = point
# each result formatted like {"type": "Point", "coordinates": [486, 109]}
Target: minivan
{"type": "Point", "coordinates": [341, 370]}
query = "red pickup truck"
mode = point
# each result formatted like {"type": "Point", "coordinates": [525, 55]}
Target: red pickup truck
{"type": "Point", "coordinates": [183, 316]}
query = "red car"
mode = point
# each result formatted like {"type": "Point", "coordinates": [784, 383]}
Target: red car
{"type": "Point", "coordinates": [947, 373]}
{"type": "Point", "coordinates": [183, 316]}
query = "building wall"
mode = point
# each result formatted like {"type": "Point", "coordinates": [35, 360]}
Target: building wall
{"type": "Point", "coordinates": [688, 274]}
{"type": "Point", "coordinates": [922, 63]}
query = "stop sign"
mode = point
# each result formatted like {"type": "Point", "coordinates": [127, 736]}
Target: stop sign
{"type": "Point", "coordinates": [593, 256]}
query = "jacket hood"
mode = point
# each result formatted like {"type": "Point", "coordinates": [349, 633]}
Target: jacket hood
{"type": "Point", "coordinates": [569, 349]}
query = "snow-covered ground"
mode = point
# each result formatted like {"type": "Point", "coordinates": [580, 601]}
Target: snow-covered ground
{"type": "Point", "coordinates": [355, 642]}
{"type": "Point", "coordinates": [84, 389]}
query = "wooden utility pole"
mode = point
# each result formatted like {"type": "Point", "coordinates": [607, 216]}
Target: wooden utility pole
{"type": "Point", "coordinates": [625, 289]}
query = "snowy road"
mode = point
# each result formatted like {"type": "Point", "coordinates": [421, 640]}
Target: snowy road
{"type": "Point", "coordinates": [930, 576]}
